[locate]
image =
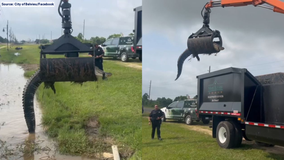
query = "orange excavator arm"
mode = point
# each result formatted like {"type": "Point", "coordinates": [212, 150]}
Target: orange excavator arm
{"type": "Point", "coordinates": [275, 5]}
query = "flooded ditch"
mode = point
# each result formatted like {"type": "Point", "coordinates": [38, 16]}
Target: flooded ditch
{"type": "Point", "coordinates": [15, 141]}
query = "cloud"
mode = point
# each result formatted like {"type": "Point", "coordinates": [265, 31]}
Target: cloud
{"type": "Point", "coordinates": [251, 36]}
{"type": "Point", "coordinates": [102, 18]}
{"type": "Point", "coordinates": [159, 65]}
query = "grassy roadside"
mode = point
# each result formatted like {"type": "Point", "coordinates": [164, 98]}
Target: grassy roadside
{"type": "Point", "coordinates": [88, 119]}
{"type": "Point", "coordinates": [180, 143]}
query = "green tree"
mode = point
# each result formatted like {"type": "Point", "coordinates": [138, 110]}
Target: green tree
{"type": "Point", "coordinates": [80, 37]}
{"type": "Point", "coordinates": [180, 98]}
{"type": "Point", "coordinates": [114, 36]}
{"type": "Point", "coordinates": [131, 34]}
{"type": "Point", "coordinates": [97, 40]}
{"type": "Point", "coordinates": [145, 99]}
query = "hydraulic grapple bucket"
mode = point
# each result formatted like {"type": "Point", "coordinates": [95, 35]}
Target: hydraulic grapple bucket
{"type": "Point", "coordinates": [67, 69]}
{"type": "Point", "coordinates": [206, 44]}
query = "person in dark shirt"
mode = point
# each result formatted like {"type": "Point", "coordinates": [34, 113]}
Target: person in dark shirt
{"type": "Point", "coordinates": [99, 53]}
{"type": "Point", "coordinates": [155, 118]}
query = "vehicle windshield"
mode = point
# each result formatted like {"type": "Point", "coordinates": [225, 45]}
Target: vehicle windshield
{"type": "Point", "coordinates": [173, 105]}
{"type": "Point", "coordinates": [190, 104]}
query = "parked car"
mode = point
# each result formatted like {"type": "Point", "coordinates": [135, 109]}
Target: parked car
{"type": "Point", "coordinates": [185, 110]}
{"type": "Point", "coordinates": [121, 47]}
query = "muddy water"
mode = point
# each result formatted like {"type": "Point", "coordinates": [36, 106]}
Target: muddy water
{"type": "Point", "coordinates": [15, 141]}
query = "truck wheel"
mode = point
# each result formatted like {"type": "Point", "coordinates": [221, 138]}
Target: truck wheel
{"type": "Point", "coordinates": [238, 134]}
{"type": "Point", "coordinates": [197, 120]}
{"type": "Point", "coordinates": [124, 57]}
{"type": "Point", "coordinates": [164, 119]}
{"type": "Point", "coordinates": [225, 134]}
{"type": "Point", "coordinates": [188, 120]}
{"type": "Point", "coordinates": [205, 121]}
{"type": "Point", "coordinates": [140, 57]}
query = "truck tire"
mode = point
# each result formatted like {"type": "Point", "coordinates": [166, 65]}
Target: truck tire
{"type": "Point", "coordinates": [124, 57]}
{"type": "Point", "coordinates": [238, 134]}
{"type": "Point", "coordinates": [164, 119]}
{"type": "Point", "coordinates": [205, 121]}
{"type": "Point", "coordinates": [225, 134]}
{"type": "Point", "coordinates": [188, 120]}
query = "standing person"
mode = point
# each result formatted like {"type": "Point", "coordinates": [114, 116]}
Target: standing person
{"type": "Point", "coordinates": [155, 118]}
{"type": "Point", "coordinates": [99, 52]}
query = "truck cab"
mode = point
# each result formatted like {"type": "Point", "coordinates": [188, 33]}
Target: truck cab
{"type": "Point", "coordinates": [185, 110]}
{"type": "Point", "coordinates": [121, 47]}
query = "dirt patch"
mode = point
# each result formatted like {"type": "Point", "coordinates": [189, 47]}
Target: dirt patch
{"type": "Point", "coordinates": [273, 150]}
{"type": "Point", "coordinates": [198, 129]}
{"type": "Point", "coordinates": [92, 130]}
{"type": "Point", "coordinates": [29, 67]}
{"type": "Point", "coordinates": [132, 65]}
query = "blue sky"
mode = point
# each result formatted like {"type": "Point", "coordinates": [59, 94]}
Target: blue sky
{"type": "Point", "coordinates": [102, 18]}
{"type": "Point", "coordinates": [252, 37]}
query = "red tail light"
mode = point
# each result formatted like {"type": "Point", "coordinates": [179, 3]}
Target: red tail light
{"type": "Point", "coordinates": [197, 114]}
{"type": "Point", "coordinates": [132, 49]}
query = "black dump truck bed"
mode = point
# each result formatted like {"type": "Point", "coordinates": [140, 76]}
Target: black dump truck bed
{"type": "Point", "coordinates": [236, 92]}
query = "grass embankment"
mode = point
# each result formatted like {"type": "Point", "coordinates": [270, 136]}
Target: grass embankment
{"type": "Point", "coordinates": [181, 143]}
{"type": "Point", "coordinates": [88, 119]}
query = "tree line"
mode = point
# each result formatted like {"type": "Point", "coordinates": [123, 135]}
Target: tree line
{"type": "Point", "coordinates": [161, 101]}
{"type": "Point", "coordinates": [98, 40]}
{"type": "Point", "coordinates": [93, 40]}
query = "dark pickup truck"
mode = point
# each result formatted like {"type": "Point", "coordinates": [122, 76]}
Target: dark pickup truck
{"type": "Point", "coordinates": [121, 47]}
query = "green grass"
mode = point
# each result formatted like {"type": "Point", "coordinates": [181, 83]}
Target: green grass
{"type": "Point", "coordinates": [180, 143]}
{"type": "Point", "coordinates": [115, 103]}
{"type": "Point", "coordinates": [30, 54]}
{"type": "Point", "coordinates": [29, 73]}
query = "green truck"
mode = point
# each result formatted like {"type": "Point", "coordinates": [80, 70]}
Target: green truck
{"type": "Point", "coordinates": [120, 47]}
{"type": "Point", "coordinates": [185, 110]}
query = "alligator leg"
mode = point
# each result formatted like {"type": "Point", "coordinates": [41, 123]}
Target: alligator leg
{"type": "Point", "coordinates": [50, 85]}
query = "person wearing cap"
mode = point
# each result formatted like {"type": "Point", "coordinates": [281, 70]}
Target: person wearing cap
{"type": "Point", "coordinates": [155, 118]}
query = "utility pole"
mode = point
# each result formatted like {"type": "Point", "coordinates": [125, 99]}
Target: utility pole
{"type": "Point", "coordinates": [7, 35]}
{"type": "Point", "coordinates": [209, 69]}
{"type": "Point", "coordinates": [10, 35]}
{"type": "Point", "coordinates": [150, 90]}
{"type": "Point", "coordinates": [84, 30]}
{"type": "Point", "coordinates": [51, 36]}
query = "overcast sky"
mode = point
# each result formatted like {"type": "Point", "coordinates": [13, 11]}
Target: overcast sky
{"type": "Point", "coordinates": [252, 37]}
{"type": "Point", "coordinates": [102, 18]}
